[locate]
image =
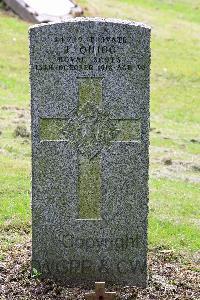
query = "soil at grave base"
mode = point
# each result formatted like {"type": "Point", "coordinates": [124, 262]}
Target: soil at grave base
{"type": "Point", "coordinates": [168, 279]}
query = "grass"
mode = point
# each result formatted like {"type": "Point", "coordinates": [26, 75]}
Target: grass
{"type": "Point", "coordinates": [15, 192]}
{"type": "Point", "coordinates": [174, 189]}
{"type": "Point", "coordinates": [185, 9]}
{"type": "Point", "coordinates": [174, 218]}
{"type": "Point", "coordinates": [14, 88]}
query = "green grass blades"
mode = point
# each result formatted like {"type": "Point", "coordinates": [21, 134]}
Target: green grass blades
{"type": "Point", "coordinates": [174, 214]}
{"type": "Point", "coordinates": [14, 69]}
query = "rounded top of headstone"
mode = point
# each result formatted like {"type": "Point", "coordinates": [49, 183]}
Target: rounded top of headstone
{"type": "Point", "coordinates": [94, 20]}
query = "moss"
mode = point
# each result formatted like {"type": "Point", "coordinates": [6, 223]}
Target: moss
{"type": "Point", "coordinates": [89, 188]}
{"type": "Point", "coordinates": [128, 130]}
{"type": "Point", "coordinates": [90, 90]}
{"type": "Point", "coordinates": [51, 129]}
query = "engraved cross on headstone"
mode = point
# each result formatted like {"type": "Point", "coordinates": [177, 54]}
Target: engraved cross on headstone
{"type": "Point", "coordinates": [100, 293]}
{"type": "Point", "coordinates": [89, 129]}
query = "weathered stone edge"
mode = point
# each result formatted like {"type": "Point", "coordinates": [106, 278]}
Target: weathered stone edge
{"type": "Point", "coordinates": [95, 19]}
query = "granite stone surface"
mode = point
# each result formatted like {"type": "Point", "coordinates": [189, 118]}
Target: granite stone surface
{"type": "Point", "coordinates": [90, 138]}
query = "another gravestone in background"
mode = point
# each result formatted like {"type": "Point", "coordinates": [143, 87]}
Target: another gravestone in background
{"type": "Point", "coordinates": [38, 11]}
{"type": "Point", "coordinates": [90, 127]}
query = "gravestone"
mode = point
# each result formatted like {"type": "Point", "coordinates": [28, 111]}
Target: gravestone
{"type": "Point", "coordinates": [90, 137]}
{"type": "Point", "coordinates": [38, 11]}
